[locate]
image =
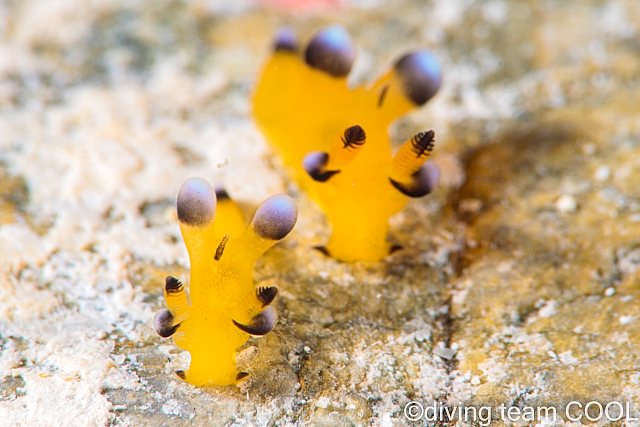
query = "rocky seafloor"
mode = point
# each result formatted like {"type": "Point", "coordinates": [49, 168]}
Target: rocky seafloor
{"type": "Point", "coordinates": [519, 280]}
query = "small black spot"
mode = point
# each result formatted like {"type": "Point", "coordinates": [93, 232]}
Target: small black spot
{"type": "Point", "coordinates": [220, 249]}
{"type": "Point", "coordinates": [266, 294]}
{"type": "Point", "coordinates": [241, 376]}
{"type": "Point", "coordinates": [383, 95]}
{"type": "Point", "coordinates": [181, 374]}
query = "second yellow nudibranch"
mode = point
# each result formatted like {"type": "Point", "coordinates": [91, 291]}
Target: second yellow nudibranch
{"type": "Point", "coordinates": [225, 306]}
{"type": "Point", "coordinates": [335, 140]}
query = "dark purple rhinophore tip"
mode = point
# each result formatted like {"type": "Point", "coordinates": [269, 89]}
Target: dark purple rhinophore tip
{"type": "Point", "coordinates": [261, 324]}
{"type": "Point", "coordinates": [314, 162]}
{"type": "Point", "coordinates": [196, 203]}
{"type": "Point", "coordinates": [286, 40]}
{"type": "Point", "coordinates": [331, 51]}
{"type": "Point", "coordinates": [423, 182]}
{"type": "Point", "coordinates": [275, 217]}
{"type": "Point", "coordinates": [420, 75]}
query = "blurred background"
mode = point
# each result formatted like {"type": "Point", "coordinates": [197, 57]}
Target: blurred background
{"type": "Point", "coordinates": [525, 261]}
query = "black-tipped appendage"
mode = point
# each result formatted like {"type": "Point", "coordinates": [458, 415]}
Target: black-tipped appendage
{"type": "Point", "coordinates": [331, 51]}
{"type": "Point", "coordinates": [163, 323]}
{"type": "Point", "coordinates": [196, 203]}
{"type": "Point", "coordinates": [172, 285]}
{"type": "Point", "coordinates": [286, 40]}
{"type": "Point", "coordinates": [266, 294]}
{"type": "Point", "coordinates": [422, 183]}
{"type": "Point", "coordinates": [420, 75]}
{"type": "Point", "coordinates": [353, 136]}
{"type": "Point", "coordinates": [314, 164]}
{"type": "Point", "coordinates": [261, 324]}
{"type": "Point", "coordinates": [423, 142]}
{"type": "Point", "coordinates": [275, 217]}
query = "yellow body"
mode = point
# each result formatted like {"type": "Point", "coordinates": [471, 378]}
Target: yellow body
{"type": "Point", "coordinates": [301, 109]}
{"type": "Point", "coordinates": [221, 288]}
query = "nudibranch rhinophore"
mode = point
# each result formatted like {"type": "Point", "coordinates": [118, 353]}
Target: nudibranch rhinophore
{"type": "Point", "coordinates": [335, 139]}
{"type": "Point", "coordinates": [225, 306]}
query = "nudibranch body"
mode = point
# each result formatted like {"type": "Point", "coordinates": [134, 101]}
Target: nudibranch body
{"type": "Point", "coordinates": [225, 306]}
{"type": "Point", "coordinates": [335, 139]}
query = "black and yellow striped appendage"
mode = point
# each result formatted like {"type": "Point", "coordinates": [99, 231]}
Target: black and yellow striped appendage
{"type": "Point", "coordinates": [224, 307]}
{"type": "Point", "coordinates": [335, 141]}
{"type": "Point", "coordinates": [345, 149]}
{"type": "Point", "coordinates": [407, 174]}
{"type": "Point", "coordinates": [412, 155]}
{"type": "Point", "coordinates": [176, 298]}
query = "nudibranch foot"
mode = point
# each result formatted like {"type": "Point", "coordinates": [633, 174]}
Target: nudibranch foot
{"type": "Point", "coordinates": [335, 139]}
{"type": "Point", "coordinates": [225, 307]}
{"type": "Point", "coordinates": [395, 248]}
{"type": "Point", "coordinates": [323, 250]}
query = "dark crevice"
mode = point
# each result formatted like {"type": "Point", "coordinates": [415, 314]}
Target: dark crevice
{"type": "Point", "coordinates": [445, 321]}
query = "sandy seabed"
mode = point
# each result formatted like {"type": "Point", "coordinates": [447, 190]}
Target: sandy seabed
{"type": "Point", "coordinates": [525, 262]}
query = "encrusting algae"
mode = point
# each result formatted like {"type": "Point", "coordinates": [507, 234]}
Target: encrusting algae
{"type": "Point", "coordinates": [335, 139]}
{"type": "Point", "coordinates": [225, 306]}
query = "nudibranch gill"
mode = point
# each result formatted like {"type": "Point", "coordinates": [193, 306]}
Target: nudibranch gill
{"type": "Point", "coordinates": [335, 139]}
{"type": "Point", "coordinates": [225, 307]}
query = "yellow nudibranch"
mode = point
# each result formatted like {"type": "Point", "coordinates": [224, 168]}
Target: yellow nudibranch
{"type": "Point", "coordinates": [335, 139]}
{"type": "Point", "coordinates": [225, 305]}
